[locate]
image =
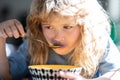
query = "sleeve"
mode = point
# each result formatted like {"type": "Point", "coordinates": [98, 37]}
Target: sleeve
{"type": "Point", "coordinates": [111, 59]}
{"type": "Point", "coordinates": [19, 61]}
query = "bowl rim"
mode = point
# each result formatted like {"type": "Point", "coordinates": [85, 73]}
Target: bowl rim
{"type": "Point", "coordinates": [53, 66]}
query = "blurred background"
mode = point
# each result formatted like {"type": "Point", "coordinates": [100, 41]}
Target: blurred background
{"type": "Point", "coordinates": [18, 9]}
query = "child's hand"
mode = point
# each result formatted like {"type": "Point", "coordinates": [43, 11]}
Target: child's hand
{"type": "Point", "coordinates": [72, 76]}
{"type": "Point", "coordinates": [11, 28]}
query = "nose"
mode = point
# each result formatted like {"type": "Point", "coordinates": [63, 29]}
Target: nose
{"type": "Point", "coordinates": [59, 36]}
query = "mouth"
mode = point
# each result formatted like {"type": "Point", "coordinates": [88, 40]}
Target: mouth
{"type": "Point", "coordinates": [53, 46]}
{"type": "Point", "coordinates": [56, 45]}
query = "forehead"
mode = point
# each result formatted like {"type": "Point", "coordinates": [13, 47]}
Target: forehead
{"type": "Point", "coordinates": [60, 19]}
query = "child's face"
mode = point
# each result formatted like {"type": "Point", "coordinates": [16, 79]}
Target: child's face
{"type": "Point", "coordinates": [62, 32]}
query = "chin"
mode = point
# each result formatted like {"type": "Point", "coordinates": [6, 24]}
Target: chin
{"type": "Point", "coordinates": [61, 52]}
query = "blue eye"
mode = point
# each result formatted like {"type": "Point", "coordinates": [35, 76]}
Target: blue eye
{"type": "Point", "coordinates": [68, 27]}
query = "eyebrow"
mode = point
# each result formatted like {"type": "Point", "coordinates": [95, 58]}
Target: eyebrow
{"type": "Point", "coordinates": [45, 24]}
{"type": "Point", "coordinates": [70, 24]}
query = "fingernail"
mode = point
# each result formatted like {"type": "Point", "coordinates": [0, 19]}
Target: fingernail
{"type": "Point", "coordinates": [23, 35]}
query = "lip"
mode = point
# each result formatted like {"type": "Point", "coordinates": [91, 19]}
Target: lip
{"type": "Point", "coordinates": [58, 44]}
{"type": "Point", "coordinates": [60, 47]}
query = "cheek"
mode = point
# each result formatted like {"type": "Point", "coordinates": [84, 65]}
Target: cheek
{"type": "Point", "coordinates": [48, 35]}
{"type": "Point", "coordinates": [74, 37]}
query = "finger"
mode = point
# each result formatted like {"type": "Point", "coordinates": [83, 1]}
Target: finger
{"type": "Point", "coordinates": [15, 32]}
{"type": "Point", "coordinates": [66, 75]}
{"type": "Point", "coordinates": [70, 76]}
{"type": "Point", "coordinates": [3, 34]}
{"type": "Point", "coordinates": [8, 32]}
{"type": "Point", "coordinates": [20, 28]}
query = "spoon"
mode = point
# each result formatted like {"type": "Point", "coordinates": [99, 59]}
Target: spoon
{"type": "Point", "coordinates": [52, 46]}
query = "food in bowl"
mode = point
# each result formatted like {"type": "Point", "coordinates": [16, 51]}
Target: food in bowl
{"type": "Point", "coordinates": [50, 72]}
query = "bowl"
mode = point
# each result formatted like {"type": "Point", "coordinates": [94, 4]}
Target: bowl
{"type": "Point", "coordinates": [50, 72]}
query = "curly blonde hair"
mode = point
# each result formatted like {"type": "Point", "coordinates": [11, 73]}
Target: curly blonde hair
{"type": "Point", "coordinates": [93, 23]}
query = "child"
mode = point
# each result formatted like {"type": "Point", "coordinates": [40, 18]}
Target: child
{"type": "Point", "coordinates": [79, 28]}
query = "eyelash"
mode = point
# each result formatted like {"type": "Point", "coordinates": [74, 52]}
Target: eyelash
{"type": "Point", "coordinates": [65, 27]}
{"type": "Point", "coordinates": [68, 27]}
{"type": "Point", "coordinates": [49, 27]}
